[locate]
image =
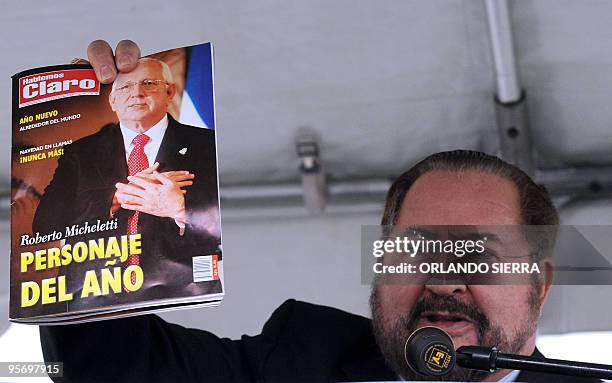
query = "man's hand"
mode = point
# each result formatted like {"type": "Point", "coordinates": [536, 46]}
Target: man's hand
{"type": "Point", "coordinates": [160, 196]}
{"type": "Point", "coordinates": [107, 65]}
{"type": "Point", "coordinates": [181, 177]}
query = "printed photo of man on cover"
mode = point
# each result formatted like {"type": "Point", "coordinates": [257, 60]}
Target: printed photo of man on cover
{"type": "Point", "coordinates": [146, 174]}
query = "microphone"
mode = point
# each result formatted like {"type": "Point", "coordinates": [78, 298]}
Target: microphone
{"type": "Point", "coordinates": [429, 351]}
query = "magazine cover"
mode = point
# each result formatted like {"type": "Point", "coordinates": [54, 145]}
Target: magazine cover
{"type": "Point", "coordinates": [115, 206]}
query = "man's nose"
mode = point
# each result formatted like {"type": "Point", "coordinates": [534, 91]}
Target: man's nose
{"type": "Point", "coordinates": [136, 90]}
{"type": "Point", "coordinates": [446, 284]}
{"type": "Point", "coordinates": [441, 288]}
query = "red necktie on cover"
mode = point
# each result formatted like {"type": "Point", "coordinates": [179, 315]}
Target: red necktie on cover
{"type": "Point", "coordinates": [137, 162]}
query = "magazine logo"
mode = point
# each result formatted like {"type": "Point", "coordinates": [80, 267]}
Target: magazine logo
{"type": "Point", "coordinates": [48, 86]}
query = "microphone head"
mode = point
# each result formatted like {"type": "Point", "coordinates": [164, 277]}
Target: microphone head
{"type": "Point", "coordinates": [429, 351]}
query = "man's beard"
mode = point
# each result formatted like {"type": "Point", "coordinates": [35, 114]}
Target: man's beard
{"type": "Point", "coordinates": [391, 341]}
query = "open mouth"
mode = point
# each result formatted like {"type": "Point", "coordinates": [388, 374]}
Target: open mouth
{"type": "Point", "coordinates": [455, 324]}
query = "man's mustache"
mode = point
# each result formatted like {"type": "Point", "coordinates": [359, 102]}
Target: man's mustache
{"type": "Point", "coordinates": [447, 303]}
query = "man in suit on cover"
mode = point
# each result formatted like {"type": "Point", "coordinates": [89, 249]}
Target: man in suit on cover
{"type": "Point", "coordinates": [154, 174]}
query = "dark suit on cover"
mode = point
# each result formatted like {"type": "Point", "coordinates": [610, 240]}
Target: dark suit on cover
{"type": "Point", "coordinates": [301, 342]}
{"type": "Point", "coordinates": [82, 190]}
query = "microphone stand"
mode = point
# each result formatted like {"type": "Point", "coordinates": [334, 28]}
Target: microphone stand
{"type": "Point", "coordinates": [490, 359]}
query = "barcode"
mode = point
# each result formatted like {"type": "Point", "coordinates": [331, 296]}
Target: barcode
{"type": "Point", "coordinates": [204, 268]}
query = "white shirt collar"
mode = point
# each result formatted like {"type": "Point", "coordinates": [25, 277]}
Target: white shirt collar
{"type": "Point", "coordinates": [511, 376]}
{"type": "Point", "coordinates": [155, 134]}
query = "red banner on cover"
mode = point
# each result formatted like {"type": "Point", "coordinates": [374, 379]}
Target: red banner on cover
{"type": "Point", "coordinates": [43, 87]}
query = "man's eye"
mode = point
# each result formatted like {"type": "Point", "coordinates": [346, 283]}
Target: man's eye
{"type": "Point", "coordinates": [490, 255]}
{"type": "Point", "coordinates": [415, 234]}
{"type": "Point", "coordinates": [148, 82]}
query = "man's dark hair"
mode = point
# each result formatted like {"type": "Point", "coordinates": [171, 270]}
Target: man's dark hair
{"type": "Point", "coordinates": [536, 205]}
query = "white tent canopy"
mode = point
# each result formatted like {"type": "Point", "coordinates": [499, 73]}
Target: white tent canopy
{"type": "Point", "coordinates": [381, 83]}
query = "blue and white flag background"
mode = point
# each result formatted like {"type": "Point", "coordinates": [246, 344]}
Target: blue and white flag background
{"type": "Point", "coordinates": [197, 105]}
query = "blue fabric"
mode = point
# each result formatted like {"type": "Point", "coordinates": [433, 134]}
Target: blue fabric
{"type": "Point", "coordinates": [199, 82]}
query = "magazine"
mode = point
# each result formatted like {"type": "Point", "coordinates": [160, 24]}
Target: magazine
{"type": "Point", "coordinates": [114, 190]}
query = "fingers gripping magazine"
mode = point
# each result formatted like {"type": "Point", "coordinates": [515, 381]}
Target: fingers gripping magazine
{"type": "Point", "coordinates": [115, 203]}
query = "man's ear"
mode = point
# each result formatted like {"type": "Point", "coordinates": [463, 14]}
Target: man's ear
{"type": "Point", "coordinates": [170, 92]}
{"type": "Point", "coordinates": [546, 279]}
{"type": "Point", "coordinates": [111, 101]}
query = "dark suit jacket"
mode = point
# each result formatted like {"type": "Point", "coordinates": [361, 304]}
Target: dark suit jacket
{"type": "Point", "coordinates": [82, 190]}
{"type": "Point", "coordinates": [300, 342]}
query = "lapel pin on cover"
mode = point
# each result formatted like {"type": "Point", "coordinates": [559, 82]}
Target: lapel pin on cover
{"type": "Point", "coordinates": [183, 151]}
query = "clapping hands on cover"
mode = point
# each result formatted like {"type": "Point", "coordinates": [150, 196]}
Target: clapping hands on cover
{"type": "Point", "coordinates": [154, 193]}
{"type": "Point", "coordinates": [133, 196]}
{"type": "Point", "coordinates": [181, 177]}
{"type": "Point", "coordinates": [161, 196]}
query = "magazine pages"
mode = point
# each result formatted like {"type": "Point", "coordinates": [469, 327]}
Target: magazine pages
{"type": "Point", "coordinates": [115, 203]}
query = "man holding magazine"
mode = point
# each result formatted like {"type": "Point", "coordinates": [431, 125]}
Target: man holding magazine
{"type": "Point", "coordinates": [306, 342]}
